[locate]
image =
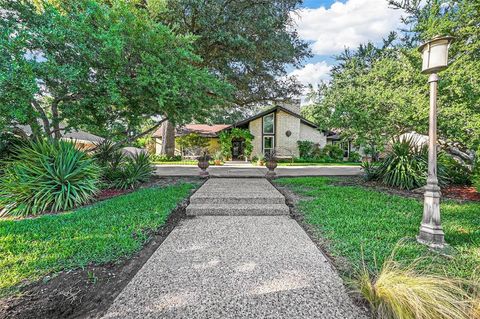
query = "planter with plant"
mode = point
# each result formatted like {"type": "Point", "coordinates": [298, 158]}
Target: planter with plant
{"type": "Point", "coordinates": [271, 163]}
{"type": "Point", "coordinates": [218, 158]}
{"type": "Point", "coordinates": [260, 159]}
{"type": "Point", "coordinates": [203, 163]}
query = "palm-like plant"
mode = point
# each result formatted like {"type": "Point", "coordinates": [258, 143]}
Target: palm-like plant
{"type": "Point", "coordinates": [47, 175]}
{"type": "Point", "coordinates": [406, 165]}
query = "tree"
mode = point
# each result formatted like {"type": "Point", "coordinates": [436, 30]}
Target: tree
{"type": "Point", "coordinates": [103, 67]}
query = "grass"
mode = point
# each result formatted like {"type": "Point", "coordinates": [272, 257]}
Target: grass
{"type": "Point", "coordinates": [365, 224]}
{"type": "Point", "coordinates": [320, 164]}
{"type": "Point", "coordinates": [100, 233]}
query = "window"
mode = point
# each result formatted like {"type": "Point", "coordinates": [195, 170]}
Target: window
{"type": "Point", "coordinates": [268, 144]}
{"type": "Point", "coordinates": [268, 124]}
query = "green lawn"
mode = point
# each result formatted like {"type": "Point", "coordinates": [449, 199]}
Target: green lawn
{"type": "Point", "coordinates": [364, 224]}
{"type": "Point", "coordinates": [320, 164]}
{"type": "Point", "coordinates": [103, 232]}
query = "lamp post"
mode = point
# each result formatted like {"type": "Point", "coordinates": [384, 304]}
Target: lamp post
{"type": "Point", "coordinates": [435, 59]}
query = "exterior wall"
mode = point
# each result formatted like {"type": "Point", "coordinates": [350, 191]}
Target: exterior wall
{"type": "Point", "coordinates": [308, 133]}
{"type": "Point", "coordinates": [255, 128]}
{"type": "Point", "coordinates": [286, 146]}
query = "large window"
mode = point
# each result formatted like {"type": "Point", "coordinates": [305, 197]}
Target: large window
{"type": "Point", "coordinates": [269, 124]}
{"type": "Point", "coordinates": [268, 144]}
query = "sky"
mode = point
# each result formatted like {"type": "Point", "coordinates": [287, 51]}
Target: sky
{"type": "Point", "coordinates": [332, 25]}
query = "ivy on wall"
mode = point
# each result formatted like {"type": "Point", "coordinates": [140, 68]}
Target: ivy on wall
{"type": "Point", "coordinates": [226, 138]}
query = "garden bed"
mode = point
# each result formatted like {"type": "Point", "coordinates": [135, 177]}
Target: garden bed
{"type": "Point", "coordinates": [102, 246]}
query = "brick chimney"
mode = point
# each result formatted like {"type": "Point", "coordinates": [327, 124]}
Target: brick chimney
{"type": "Point", "coordinates": [292, 105]}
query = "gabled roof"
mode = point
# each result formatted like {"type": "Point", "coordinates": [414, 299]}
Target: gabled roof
{"type": "Point", "coordinates": [204, 130]}
{"type": "Point", "coordinates": [77, 135]}
{"type": "Point", "coordinates": [274, 109]}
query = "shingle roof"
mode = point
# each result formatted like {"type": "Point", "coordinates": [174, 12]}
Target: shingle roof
{"type": "Point", "coordinates": [200, 129]}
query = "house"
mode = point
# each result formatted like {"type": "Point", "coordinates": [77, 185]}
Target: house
{"type": "Point", "coordinates": [279, 128]}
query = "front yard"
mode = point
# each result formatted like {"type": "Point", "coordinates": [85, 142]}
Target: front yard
{"type": "Point", "coordinates": [104, 232]}
{"type": "Point", "coordinates": [358, 225]}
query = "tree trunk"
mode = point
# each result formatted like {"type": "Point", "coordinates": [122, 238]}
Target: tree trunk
{"type": "Point", "coordinates": [168, 139]}
{"type": "Point", "coordinates": [55, 121]}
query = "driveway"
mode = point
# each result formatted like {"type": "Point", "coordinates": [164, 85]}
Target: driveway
{"type": "Point", "coordinates": [248, 170]}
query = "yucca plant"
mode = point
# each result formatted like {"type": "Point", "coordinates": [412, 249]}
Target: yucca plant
{"type": "Point", "coordinates": [402, 293]}
{"type": "Point", "coordinates": [47, 176]}
{"type": "Point", "coordinates": [406, 165]}
{"type": "Point", "coordinates": [133, 171]}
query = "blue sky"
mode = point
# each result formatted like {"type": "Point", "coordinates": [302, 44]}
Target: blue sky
{"type": "Point", "coordinates": [331, 26]}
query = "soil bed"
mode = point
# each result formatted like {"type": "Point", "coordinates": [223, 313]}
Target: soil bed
{"type": "Point", "coordinates": [88, 292]}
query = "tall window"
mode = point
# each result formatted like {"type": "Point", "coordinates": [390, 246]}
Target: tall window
{"type": "Point", "coordinates": [268, 144]}
{"type": "Point", "coordinates": [269, 124]}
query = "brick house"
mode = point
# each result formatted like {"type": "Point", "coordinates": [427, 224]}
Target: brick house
{"type": "Point", "coordinates": [278, 128]}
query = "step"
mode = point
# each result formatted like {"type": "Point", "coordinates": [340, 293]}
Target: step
{"type": "Point", "coordinates": [223, 198]}
{"type": "Point", "coordinates": [237, 210]}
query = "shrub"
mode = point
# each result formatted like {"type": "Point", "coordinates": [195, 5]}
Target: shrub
{"type": "Point", "coordinates": [47, 175]}
{"type": "Point", "coordinates": [457, 173]}
{"type": "Point", "coordinates": [354, 157]}
{"type": "Point", "coordinates": [406, 165]}
{"type": "Point", "coordinates": [370, 169]}
{"type": "Point", "coordinates": [131, 172]}
{"type": "Point", "coordinates": [333, 151]}
{"type": "Point", "coordinates": [119, 170]}
{"type": "Point", "coordinates": [165, 158]}
{"type": "Point", "coordinates": [404, 294]}
{"type": "Point", "coordinates": [476, 182]}
{"type": "Point", "coordinates": [306, 149]}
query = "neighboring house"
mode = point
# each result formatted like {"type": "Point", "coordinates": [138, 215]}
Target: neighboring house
{"type": "Point", "coordinates": [278, 128]}
{"type": "Point", "coordinates": [208, 131]}
{"type": "Point", "coordinates": [82, 139]}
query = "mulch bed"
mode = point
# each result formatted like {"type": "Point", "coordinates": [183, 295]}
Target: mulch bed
{"type": "Point", "coordinates": [88, 292]}
{"type": "Point", "coordinates": [462, 193]}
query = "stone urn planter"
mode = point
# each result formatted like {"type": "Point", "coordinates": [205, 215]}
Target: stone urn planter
{"type": "Point", "coordinates": [271, 164]}
{"type": "Point", "coordinates": [203, 164]}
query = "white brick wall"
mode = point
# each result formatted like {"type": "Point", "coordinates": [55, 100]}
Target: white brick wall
{"type": "Point", "coordinates": [308, 133]}
{"type": "Point", "coordinates": [286, 146]}
{"type": "Point", "coordinates": [255, 128]}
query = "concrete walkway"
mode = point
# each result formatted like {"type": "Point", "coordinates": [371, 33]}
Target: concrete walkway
{"type": "Point", "coordinates": [236, 267]}
{"type": "Point", "coordinates": [248, 170]}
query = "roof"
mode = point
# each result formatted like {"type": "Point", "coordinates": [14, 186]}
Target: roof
{"type": "Point", "coordinates": [77, 135]}
{"type": "Point", "coordinates": [200, 129]}
{"type": "Point", "coordinates": [273, 109]}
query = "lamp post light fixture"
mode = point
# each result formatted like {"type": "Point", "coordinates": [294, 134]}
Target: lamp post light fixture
{"type": "Point", "coordinates": [435, 59]}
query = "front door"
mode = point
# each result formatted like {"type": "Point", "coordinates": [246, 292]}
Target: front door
{"type": "Point", "coordinates": [237, 149]}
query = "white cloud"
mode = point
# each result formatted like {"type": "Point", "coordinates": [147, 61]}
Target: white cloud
{"type": "Point", "coordinates": [346, 24]}
{"type": "Point", "coordinates": [312, 73]}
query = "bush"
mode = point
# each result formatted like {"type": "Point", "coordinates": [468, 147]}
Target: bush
{"type": "Point", "coordinates": [47, 176]}
{"type": "Point", "coordinates": [476, 182]}
{"type": "Point", "coordinates": [306, 149]}
{"type": "Point", "coordinates": [354, 157]}
{"type": "Point", "coordinates": [119, 170]}
{"type": "Point", "coordinates": [406, 165]}
{"type": "Point", "coordinates": [165, 158]}
{"type": "Point", "coordinates": [404, 294]}
{"type": "Point", "coordinates": [457, 173]}
{"type": "Point", "coordinates": [132, 171]}
{"type": "Point", "coordinates": [334, 152]}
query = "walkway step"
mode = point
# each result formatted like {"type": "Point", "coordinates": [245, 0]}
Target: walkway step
{"type": "Point", "coordinates": [243, 198]}
{"type": "Point", "coordinates": [237, 210]}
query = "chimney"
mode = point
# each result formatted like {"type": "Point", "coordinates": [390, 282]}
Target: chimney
{"type": "Point", "coordinates": [292, 105]}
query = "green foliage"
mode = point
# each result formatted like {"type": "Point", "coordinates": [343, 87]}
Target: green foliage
{"type": "Point", "coordinates": [370, 170]}
{"type": "Point", "coordinates": [166, 158]}
{"type": "Point", "coordinates": [354, 157]}
{"type": "Point", "coordinates": [363, 226]}
{"type": "Point", "coordinates": [457, 173]}
{"type": "Point", "coordinates": [226, 138]}
{"type": "Point", "coordinates": [476, 182]}
{"type": "Point", "coordinates": [131, 172]}
{"type": "Point", "coordinates": [306, 149]}
{"type": "Point", "coordinates": [47, 176]}
{"type": "Point", "coordinates": [363, 99]}
{"type": "Point", "coordinates": [249, 43]}
{"type": "Point", "coordinates": [119, 170]}
{"type": "Point", "coordinates": [101, 65]}
{"type": "Point", "coordinates": [104, 232]}
{"type": "Point", "coordinates": [333, 151]}
{"type": "Point", "coordinates": [406, 165]}
{"type": "Point", "coordinates": [192, 143]}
